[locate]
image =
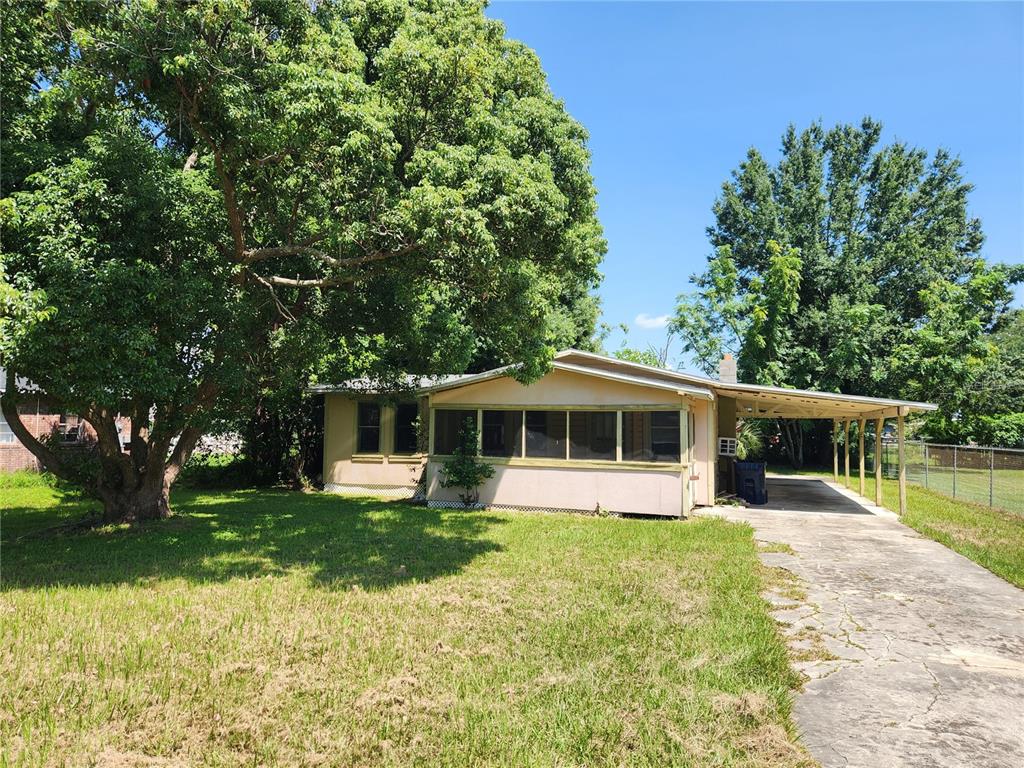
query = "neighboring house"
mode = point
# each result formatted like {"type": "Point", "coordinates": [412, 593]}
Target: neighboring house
{"type": "Point", "coordinates": [42, 418]}
{"type": "Point", "coordinates": [594, 433]}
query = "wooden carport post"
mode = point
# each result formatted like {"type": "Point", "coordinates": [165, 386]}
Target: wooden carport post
{"type": "Point", "coordinates": [835, 451]}
{"type": "Point", "coordinates": [879, 429]}
{"type": "Point", "coordinates": [903, 464]}
{"type": "Point", "coordinates": [861, 423]}
{"type": "Point", "coordinates": [846, 449]}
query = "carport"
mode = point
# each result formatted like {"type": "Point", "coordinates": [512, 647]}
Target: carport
{"type": "Point", "coordinates": [753, 401]}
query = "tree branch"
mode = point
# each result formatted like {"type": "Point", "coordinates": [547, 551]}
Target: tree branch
{"type": "Point", "coordinates": [329, 281]}
{"type": "Point", "coordinates": [9, 408]}
{"type": "Point", "coordinates": [227, 185]}
{"type": "Point", "coordinates": [314, 282]}
{"type": "Point", "coordinates": [181, 454]}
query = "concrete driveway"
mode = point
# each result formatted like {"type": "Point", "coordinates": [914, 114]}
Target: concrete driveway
{"type": "Point", "coordinates": [928, 646]}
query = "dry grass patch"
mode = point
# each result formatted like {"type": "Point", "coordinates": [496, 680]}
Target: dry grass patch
{"type": "Point", "coordinates": [287, 629]}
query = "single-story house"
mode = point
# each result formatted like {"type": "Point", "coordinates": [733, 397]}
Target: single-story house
{"type": "Point", "coordinates": [594, 433]}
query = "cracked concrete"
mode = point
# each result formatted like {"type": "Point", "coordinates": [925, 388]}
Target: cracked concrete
{"type": "Point", "coordinates": [929, 647]}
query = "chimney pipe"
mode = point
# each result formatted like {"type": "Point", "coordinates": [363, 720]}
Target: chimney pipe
{"type": "Point", "coordinates": [727, 369]}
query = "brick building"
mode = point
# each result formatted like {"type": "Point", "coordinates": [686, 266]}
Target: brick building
{"type": "Point", "coordinates": [41, 417]}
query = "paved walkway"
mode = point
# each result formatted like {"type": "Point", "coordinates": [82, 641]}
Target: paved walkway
{"type": "Point", "coordinates": [929, 646]}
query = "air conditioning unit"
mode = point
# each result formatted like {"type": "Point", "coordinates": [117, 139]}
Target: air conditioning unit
{"type": "Point", "coordinates": [727, 446]}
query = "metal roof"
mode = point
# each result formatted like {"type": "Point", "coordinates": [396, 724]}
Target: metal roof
{"type": "Point", "coordinates": [372, 386]}
{"type": "Point", "coordinates": [753, 400]}
{"type": "Point", "coordinates": [761, 401]}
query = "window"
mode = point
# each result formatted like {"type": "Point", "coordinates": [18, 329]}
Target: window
{"type": "Point", "coordinates": [592, 435]}
{"type": "Point", "coordinates": [70, 428]}
{"type": "Point", "coordinates": [545, 434]}
{"type": "Point", "coordinates": [501, 433]}
{"type": "Point", "coordinates": [6, 433]}
{"type": "Point", "coordinates": [650, 436]}
{"type": "Point", "coordinates": [368, 428]}
{"type": "Point", "coordinates": [447, 425]}
{"type": "Point", "coordinates": [406, 415]}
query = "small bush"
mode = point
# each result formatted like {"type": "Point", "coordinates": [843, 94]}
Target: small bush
{"type": "Point", "coordinates": [215, 470]}
{"type": "Point", "coordinates": [464, 469]}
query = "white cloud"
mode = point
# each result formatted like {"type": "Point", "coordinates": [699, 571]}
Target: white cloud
{"type": "Point", "coordinates": [643, 320]}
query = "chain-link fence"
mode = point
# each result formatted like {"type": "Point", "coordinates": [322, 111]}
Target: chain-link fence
{"type": "Point", "coordinates": [990, 476]}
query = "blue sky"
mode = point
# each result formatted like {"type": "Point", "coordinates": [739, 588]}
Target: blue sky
{"type": "Point", "coordinates": [673, 94]}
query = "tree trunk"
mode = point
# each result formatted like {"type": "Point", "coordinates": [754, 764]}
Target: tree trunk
{"type": "Point", "coordinates": [134, 486]}
{"type": "Point", "coordinates": [147, 502]}
{"type": "Point", "coordinates": [793, 438]}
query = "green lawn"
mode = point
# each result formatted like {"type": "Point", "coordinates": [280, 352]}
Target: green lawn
{"type": "Point", "coordinates": [993, 538]}
{"type": "Point", "coordinates": [276, 628]}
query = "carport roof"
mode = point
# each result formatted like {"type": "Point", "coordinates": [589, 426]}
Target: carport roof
{"type": "Point", "coordinates": [759, 401]}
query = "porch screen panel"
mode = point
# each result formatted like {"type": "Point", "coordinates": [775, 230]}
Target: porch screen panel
{"type": "Point", "coordinates": [501, 434]}
{"type": "Point", "coordinates": [592, 435]}
{"type": "Point", "coordinates": [406, 415]}
{"type": "Point", "coordinates": [447, 425]}
{"type": "Point", "coordinates": [650, 436]}
{"type": "Point", "coordinates": [545, 434]}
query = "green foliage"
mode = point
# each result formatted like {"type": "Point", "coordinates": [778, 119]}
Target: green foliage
{"type": "Point", "coordinates": [464, 469]}
{"type": "Point", "coordinates": [752, 319]}
{"type": "Point", "coordinates": [990, 407]}
{"type": "Point", "coordinates": [852, 267]}
{"type": "Point", "coordinates": [275, 193]}
{"type": "Point", "coordinates": [1004, 429]}
{"type": "Point", "coordinates": [643, 356]}
{"type": "Point", "coordinates": [750, 442]}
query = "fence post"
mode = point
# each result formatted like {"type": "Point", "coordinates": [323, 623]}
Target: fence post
{"type": "Point", "coordinates": [925, 464]}
{"type": "Point", "coordinates": [991, 473]}
{"type": "Point", "coordinates": [954, 471]}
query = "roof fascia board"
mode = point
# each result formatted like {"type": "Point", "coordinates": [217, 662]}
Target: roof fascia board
{"type": "Point", "coordinates": [706, 394]}
{"type": "Point", "coordinates": [881, 403]}
{"type": "Point", "coordinates": [692, 378]}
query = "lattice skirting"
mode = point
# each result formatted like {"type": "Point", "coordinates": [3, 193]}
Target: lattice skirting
{"type": "Point", "coordinates": [443, 504]}
{"type": "Point", "coordinates": [376, 489]}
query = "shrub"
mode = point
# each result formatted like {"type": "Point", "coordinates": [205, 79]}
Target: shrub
{"type": "Point", "coordinates": [464, 469]}
{"type": "Point", "coordinates": [26, 478]}
{"type": "Point", "coordinates": [214, 470]}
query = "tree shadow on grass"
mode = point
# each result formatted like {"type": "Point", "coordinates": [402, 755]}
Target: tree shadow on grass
{"type": "Point", "coordinates": [339, 542]}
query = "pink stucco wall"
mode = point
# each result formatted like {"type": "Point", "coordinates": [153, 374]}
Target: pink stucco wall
{"type": "Point", "coordinates": [647, 492]}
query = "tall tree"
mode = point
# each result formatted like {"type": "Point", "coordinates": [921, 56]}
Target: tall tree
{"type": "Point", "coordinates": [884, 248]}
{"type": "Point", "coordinates": [202, 189]}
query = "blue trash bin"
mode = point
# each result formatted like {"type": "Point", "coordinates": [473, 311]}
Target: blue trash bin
{"type": "Point", "coordinates": [750, 482]}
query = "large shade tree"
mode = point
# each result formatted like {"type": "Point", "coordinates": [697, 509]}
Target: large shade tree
{"type": "Point", "coordinates": [202, 192]}
{"type": "Point", "coordinates": [847, 266]}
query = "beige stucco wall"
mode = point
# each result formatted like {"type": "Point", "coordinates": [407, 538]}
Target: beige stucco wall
{"type": "Point", "coordinates": [647, 492]}
{"type": "Point", "coordinates": [343, 468]}
{"type": "Point", "coordinates": [557, 388]}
